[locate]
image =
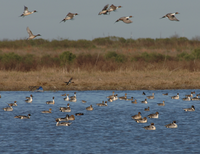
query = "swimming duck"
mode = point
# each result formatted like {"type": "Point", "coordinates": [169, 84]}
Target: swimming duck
{"type": "Point", "coordinates": [70, 81]}
{"type": "Point", "coordinates": [31, 36]}
{"type": "Point", "coordinates": [23, 117]}
{"type": "Point", "coordinates": [191, 95]}
{"type": "Point", "coordinates": [27, 12]}
{"type": "Point", "coordinates": [151, 97]}
{"type": "Point", "coordinates": [115, 97]}
{"type": "Point", "coordinates": [71, 117]}
{"type": "Point", "coordinates": [84, 101]}
{"type": "Point", "coordinates": [145, 101]}
{"type": "Point", "coordinates": [50, 102]}
{"type": "Point", "coordinates": [63, 119]}
{"type": "Point", "coordinates": [123, 97]}
{"type": "Point", "coordinates": [8, 108]}
{"type": "Point", "coordinates": [90, 108]}
{"type": "Point", "coordinates": [69, 16]}
{"type": "Point", "coordinates": [73, 99]}
{"type": "Point", "coordinates": [147, 109]}
{"type": "Point", "coordinates": [165, 94]}
{"type": "Point", "coordinates": [47, 111]}
{"type": "Point", "coordinates": [161, 104]}
{"type": "Point", "coordinates": [125, 19]}
{"type": "Point", "coordinates": [150, 127]}
{"type": "Point", "coordinates": [113, 8]}
{"type": "Point", "coordinates": [111, 96]}
{"type": "Point", "coordinates": [79, 114]}
{"type": "Point", "coordinates": [190, 109]}
{"type": "Point", "coordinates": [175, 97]}
{"type": "Point", "coordinates": [104, 10]}
{"type": "Point", "coordinates": [143, 120]}
{"type": "Point", "coordinates": [63, 94]}
{"type": "Point", "coordinates": [186, 99]}
{"type": "Point", "coordinates": [134, 102]}
{"type": "Point", "coordinates": [66, 98]}
{"type": "Point", "coordinates": [172, 125]}
{"type": "Point", "coordinates": [29, 99]}
{"type": "Point", "coordinates": [143, 93]}
{"type": "Point", "coordinates": [129, 99]}
{"type": "Point", "coordinates": [65, 109]}
{"type": "Point", "coordinates": [13, 104]}
{"type": "Point", "coordinates": [195, 98]}
{"type": "Point", "coordinates": [110, 100]}
{"type": "Point", "coordinates": [102, 104]}
{"type": "Point", "coordinates": [67, 118]}
{"type": "Point", "coordinates": [137, 116]}
{"type": "Point", "coordinates": [62, 123]}
{"type": "Point", "coordinates": [171, 16]}
{"type": "Point", "coordinates": [99, 104]}
{"type": "Point", "coordinates": [154, 115]}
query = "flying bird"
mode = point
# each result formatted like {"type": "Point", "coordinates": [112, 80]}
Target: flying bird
{"type": "Point", "coordinates": [104, 10]}
{"type": "Point", "coordinates": [69, 16]}
{"type": "Point", "coordinates": [27, 12]}
{"type": "Point", "coordinates": [70, 81]}
{"type": "Point", "coordinates": [171, 16]}
{"type": "Point", "coordinates": [113, 8]}
{"type": "Point", "coordinates": [31, 36]}
{"type": "Point", "coordinates": [125, 19]}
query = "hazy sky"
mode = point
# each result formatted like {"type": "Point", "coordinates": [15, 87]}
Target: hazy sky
{"type": "Point", "coordinates": [89, 25]}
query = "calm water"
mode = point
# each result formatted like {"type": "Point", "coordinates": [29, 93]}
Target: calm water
{"type": "Point", "coordinates": [104, 130]}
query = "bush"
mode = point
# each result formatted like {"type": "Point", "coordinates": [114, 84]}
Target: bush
{"type": "Point", "coordinates": [66, 58]}
{"type": "Point", "coordinates": [116, 57]}
{"type": "Point", "coordinates": [151, 57]}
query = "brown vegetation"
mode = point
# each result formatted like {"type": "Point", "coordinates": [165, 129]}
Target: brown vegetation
{"type": "Point", "coordinates": [103, 63]}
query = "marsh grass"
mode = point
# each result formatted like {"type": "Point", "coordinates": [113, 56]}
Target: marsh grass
{"type": "Point", "coordinates": [103, 63]}
{"type": "Point", "coordinates": [54, 78]}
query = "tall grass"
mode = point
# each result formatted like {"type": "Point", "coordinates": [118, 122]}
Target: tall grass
{"type": "Point", "coordinates": [107, 54]}
{"type": "Point", "coordinates": [112, 41]}
{"type": "Point", "coordinates": [107, 62]}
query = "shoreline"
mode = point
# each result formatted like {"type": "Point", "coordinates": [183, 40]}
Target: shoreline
{"type": "Point", "coordinates": [54, 80]}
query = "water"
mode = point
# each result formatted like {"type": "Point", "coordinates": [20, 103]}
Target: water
{"type": "Point", "coordinates": [104, 130]}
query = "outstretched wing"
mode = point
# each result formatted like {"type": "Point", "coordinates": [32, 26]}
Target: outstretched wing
{"type": "Point", "coordinates": [25, 9]}
{"type": "Point", "coordinates": [105, 7]}
{"type": "Point", "coordinates": [29, 31]}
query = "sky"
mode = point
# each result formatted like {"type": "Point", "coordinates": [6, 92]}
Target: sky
{"type": "Point", "coordinates": [89, 25]}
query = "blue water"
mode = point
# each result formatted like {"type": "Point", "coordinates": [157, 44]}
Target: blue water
{"type": "Point", "coordinates": [104, 130]}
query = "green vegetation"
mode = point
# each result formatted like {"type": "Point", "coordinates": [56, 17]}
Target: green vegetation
{"type": "Point", "coordinates": [101, 54]}
{"type": "Point", "coordinates": [66, 58]}
{"type": "Point", "coordinates": [112, 55]}
{"type": "Point", "coordinates": [111, 41]}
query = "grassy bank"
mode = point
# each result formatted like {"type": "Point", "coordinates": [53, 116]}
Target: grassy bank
{"type": "Point", "coordinates": [53, 79]}
{"type": "Point", "coordinates": [103, 63]}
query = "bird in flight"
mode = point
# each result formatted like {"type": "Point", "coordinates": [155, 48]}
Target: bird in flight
{"type": "Point", "coordinates": [31, 36]}
{"type": "Point", "coordinates": [104, 10]}
{"type": "Point", "coordinates": [69, 16]}
{"type": "Point", "coordinates": [171, 16]}
{"type": "Point", "coordinates": [27, 12]}
{"type": "Point", "coordinates": [70, 81]}
{"type": "Point", "coordinates": [125, 19]}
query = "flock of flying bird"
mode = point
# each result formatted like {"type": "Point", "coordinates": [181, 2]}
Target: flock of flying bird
{"type": "Point", "coordinates": [138, 118]}
{"type": "Point", "coordinates": [105, 11]}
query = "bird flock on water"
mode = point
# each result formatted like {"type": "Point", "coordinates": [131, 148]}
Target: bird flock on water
{"type": "Point", "coordinates": [105, 11]}
{"type": "Point", "coordinates": [67, 120]}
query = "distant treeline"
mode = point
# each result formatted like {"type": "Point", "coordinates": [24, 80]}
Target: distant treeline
{"type": "Point", "coordinates": [167, 43]}
{"type": "Point", "coordinates": [109, 61]}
